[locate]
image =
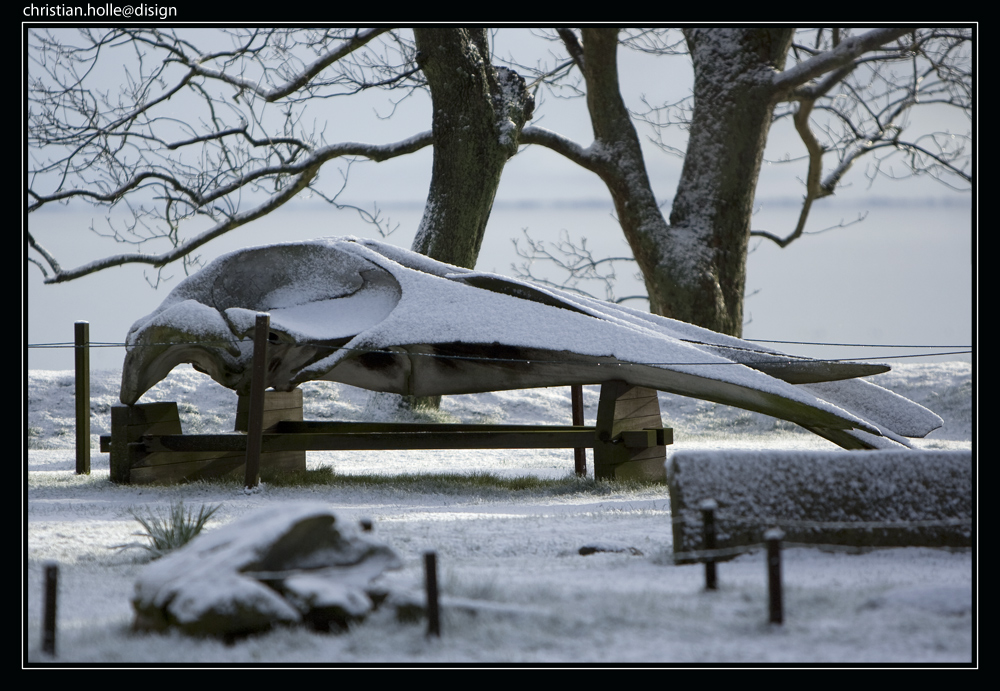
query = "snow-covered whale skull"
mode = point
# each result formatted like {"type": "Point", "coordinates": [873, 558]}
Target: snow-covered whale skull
{"type": "Point", "coordinates": [373, 315]}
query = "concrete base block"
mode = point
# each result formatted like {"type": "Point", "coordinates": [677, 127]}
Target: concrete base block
{"type": "Point", "coordinates": [849, 498]}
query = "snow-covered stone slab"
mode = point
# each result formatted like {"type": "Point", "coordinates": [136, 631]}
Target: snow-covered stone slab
{"type": "Point", "coordinates": [864, 499]}
{"type": "Point", "coordinates": [372, 315]}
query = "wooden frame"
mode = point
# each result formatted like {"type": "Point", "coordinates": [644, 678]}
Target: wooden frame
{"type": "Point", "coordinates": [147, 444]}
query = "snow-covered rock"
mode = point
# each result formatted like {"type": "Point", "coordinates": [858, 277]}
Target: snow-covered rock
{"type": "Point", "coordinates": [291, 564]}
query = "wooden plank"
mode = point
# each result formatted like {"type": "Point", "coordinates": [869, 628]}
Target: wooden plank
{"type": "Point", "coordinates": [167, 457]}
{"type": "Point", "coordinates": [272, 442]}
{"type": "Point", "coordinates": [333, 427]}
{"type": "Point", "coordinates": [188, 469]}
{"type": "Point", "coordinates": [638, 438]}
{"type": "Point", "coordinates": [207, 466]}
{"type": "Point", "coordinates": [646, 406]}
{"type": "Point", "coordinates": [150, 413]}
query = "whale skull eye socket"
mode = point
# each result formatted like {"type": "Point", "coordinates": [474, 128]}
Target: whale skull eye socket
{"type": "Point", "coordinates": [272, 337]}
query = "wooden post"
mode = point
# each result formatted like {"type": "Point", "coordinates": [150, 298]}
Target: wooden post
{"type": "Point", "coordinates": [255, 417]}
{"type": "Point", "coordinates": [49, 616]}
{"type": "Point", "coordinates": [773, 538]}
{"type": "Point", "coordinates": [81, 357]}
{"type": "Point", "coordinates": [431, 585]}
{"type": "Point", "coordinates": [579, 455]}
{"type": "Point", "coordinates": [708, 526]}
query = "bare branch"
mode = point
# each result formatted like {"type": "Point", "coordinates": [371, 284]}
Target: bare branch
{"type": "Point", "coordinates": [580, 155]}
{"type": "Point", "coordinates": [573, 46]}
{"type": "Point", "coordinates": [218, 134]}
{"type": "Point", "coordinates": [185, 248]}
{"type": "Point", "coordinates": [303, 77]}
{"type": "Point", "coordinates": [861, 110]}
{"type": "Point", "coordinates": [576, 261]}
{"type": "Point", "coordinates": [840, 56]}
{"type": "Point", "coordinates": [303, 175]}
{"type": "Point", "coordinates": [799, 232]}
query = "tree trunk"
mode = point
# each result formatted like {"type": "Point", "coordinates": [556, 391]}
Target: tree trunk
{"type": "Point", "coordinates": [617, 158]}
{"type": "Point", "coordinates": [479, 111]}
{"type": "Point", "coordinates": [702, 274]}
{"type": "Point", "coordinates": [694, 267]}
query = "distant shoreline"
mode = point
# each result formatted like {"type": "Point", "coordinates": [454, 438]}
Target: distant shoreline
{"type": "Point", "coordinates": [590, 203]}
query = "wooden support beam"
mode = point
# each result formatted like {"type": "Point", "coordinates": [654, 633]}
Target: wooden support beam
{"type": "Point", "coordinates": [370, 441]}
{"type": "Point", "coordinates": [625, 414]}
{"type": "Point", "coordinates": [128, 425]}
{"type": "Point", "coordinates": [132, 462]}
{"type": "Point", "coordinates": [279, 406]}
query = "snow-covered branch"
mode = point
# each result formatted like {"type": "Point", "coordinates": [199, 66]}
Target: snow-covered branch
{"type": "Point", "coordinates": [582, 156]}
{"type": "Point", "coordinates": [838, 57]}
{"type": "Point", "coordinates": [217, 133]}
{"type": "Point", "coordinates": [184, 248]}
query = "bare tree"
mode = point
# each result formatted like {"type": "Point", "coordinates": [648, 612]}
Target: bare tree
{"type": "Point", "coordinates": [847, 94]}
{"type": "Point", "coordinates": [204, 135]}
{"type": "Point", "coordinates": [208, 129]}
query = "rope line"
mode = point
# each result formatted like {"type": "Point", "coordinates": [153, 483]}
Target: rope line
{"type": "Point", "coordinates": [483, 358]}
{"type": "Point", "coordinates": [121, 344]}
{"type": "Point", "coordinates": [853, 345]}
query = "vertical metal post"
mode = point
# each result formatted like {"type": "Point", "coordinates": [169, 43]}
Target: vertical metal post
{"type": "Point", "coordinates": [255, 421]}
{"type": "Point", "coordinates": [81, 358]}
{"type": "Point", "coordinates": [773, 538]}
{"type": "Point", "coordinates": [49, 615]}
{"type": "Point", "coordinates": [431, 585]}
{"type": "Point", "coordinates": [579, 455]}
{"type": "Point", "coordinates": [708, 541]}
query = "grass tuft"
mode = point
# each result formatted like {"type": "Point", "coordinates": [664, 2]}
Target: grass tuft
{"type": "Point", "coordinates": [176, 529]}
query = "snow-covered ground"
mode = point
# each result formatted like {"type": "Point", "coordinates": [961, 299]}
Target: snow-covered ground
{"type": "Point", "coordinates": [516, 552]}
